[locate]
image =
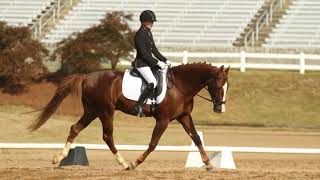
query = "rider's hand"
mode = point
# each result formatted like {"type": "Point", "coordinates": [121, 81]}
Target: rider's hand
{"type": "Point", "coordinates": [162, 65]}
{"type": "Point", "coordinates": [168, 62]}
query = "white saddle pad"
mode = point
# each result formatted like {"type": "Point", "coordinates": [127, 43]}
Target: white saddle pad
{"type": "Point", "coordinates": [131, 87]}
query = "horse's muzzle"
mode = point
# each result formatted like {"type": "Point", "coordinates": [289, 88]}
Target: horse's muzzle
{"type": "Point", "coordinates": [219, 108]}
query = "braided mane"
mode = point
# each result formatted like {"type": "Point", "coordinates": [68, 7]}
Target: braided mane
{"type": "Point", "coordinates": [198, 65]}
{"type": "Point", "coordinates": [193, 64]}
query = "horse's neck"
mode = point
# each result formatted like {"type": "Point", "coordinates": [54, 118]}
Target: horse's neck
{"type": "Point", "coordinates": [193, 78]}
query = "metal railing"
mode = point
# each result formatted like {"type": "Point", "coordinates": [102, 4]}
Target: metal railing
{"type": "Point", "coordinates": [50, 15]}
{"type": "Point", "coordinates": [265, 19]}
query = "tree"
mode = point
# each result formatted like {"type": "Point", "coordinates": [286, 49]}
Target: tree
{"type": "Point", "coordinates": [20, 58]}
{"type": "Point", "coordinates": [112, 39]}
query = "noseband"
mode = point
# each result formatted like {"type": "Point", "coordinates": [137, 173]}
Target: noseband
{"type": "Point", "coordinates": [218, 103]}
{"type": "Point", "coordinates": [215, 102]}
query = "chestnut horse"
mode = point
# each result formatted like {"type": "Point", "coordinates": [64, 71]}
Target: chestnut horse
{"type": "Point", "coordinates": [101, 95]}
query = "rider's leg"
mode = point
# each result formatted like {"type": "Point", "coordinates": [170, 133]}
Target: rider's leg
{"type": "Point", "coordinates": [138, 109]}
{"type": "Point", "coordinates": [148, 75]}
{"type": "Point", "coordinates": [152, 83]}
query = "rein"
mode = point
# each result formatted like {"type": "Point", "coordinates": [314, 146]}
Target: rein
{"type": "Point", "coordinates": [215, 102]}
{"type": "Point", "coordinates": [205, 97]}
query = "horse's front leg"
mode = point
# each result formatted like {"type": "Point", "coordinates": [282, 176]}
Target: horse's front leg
{"type": "Point", "coordinates": [161, 126]}
{"type": "Point", "coordinates": [187, 123]}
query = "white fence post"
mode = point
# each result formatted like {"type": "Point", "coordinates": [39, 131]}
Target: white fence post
{"type": "Point", "coordinates": [302, 63]}
{"type": "Point", "coordinates": [243, 61]}
{"type": "Point", "coordinates": [185, 57]}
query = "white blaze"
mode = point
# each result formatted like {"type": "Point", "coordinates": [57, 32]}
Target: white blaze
{"type": "Point", "coordinates": [223, 106]}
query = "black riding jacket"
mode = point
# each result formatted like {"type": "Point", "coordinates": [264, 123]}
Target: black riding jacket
{"type": "Point", "coordinates": [145, 47]}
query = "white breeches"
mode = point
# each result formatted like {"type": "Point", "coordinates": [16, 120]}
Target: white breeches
{"type": "Point", "coordinates": [148, 75]}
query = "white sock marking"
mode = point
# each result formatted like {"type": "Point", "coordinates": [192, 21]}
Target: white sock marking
{"type": "Point", "coordinates": [121, 160]}
{"type": "Point", "coordinates": [66, 149]}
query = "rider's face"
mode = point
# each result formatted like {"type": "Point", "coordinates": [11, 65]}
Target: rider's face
{"type": "Point", "coordinates": [148, 24]}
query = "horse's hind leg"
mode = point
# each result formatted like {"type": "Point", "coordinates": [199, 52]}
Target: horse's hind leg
{"type": "Point", "coordinates": [75, 129]}
{"type": "Point", "coordinates": [107, 123]}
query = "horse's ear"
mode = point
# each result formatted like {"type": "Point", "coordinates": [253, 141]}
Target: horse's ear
{"type": "Point", "coordinates": [221, 68]}
{"type": "Point", "coordinates": [227, 70]}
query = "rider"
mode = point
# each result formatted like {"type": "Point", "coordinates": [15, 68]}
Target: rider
{"type": "Point", "coordinates": [144, 61]}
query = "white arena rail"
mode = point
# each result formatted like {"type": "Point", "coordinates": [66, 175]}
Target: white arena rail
{"type": "Point", "coordinates": [221, 158]}
{"type": "Point", "coordinates": [163, 148]}
{"type": "Point", "coordinates": [301, 58]}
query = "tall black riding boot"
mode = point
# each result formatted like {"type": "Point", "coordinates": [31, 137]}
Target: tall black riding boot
{"type": "Point", "coordinates": [153, 106]}
{"type": "Point", "coordinates": [138, 109]}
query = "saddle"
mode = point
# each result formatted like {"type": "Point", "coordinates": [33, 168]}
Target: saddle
{"type": "Point", "coordinates": [133, 84]}
{"type": "Point", "coordinates": [157, 74]}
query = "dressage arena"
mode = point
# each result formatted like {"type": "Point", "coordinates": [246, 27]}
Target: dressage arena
{"type": "Point", "coordinates": [36, 163]}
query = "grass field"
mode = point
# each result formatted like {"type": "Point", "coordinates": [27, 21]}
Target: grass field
{"type": "Point", "coordinates": [268, 98]}
{"type": "Point", "coordinates": [132, 130]}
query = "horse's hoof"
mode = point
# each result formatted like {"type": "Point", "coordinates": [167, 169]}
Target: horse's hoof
{"type": "Point", "coordinates": [210, 168]}
{"type": "Point", "coordinates": [130, 167]}
{"type": "Point", "coordinates": [55, 159]}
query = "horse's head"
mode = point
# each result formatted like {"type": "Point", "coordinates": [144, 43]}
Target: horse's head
{"type": "Point", "coordinates": [217, 88]}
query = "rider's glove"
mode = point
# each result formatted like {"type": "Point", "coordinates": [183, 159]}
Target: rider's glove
{"type": "Point", "coordinates": [162, 65]}
{"type": "Point", "coordinates": [168, 62]}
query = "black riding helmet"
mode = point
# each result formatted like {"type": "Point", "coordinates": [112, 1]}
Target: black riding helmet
{"type": "Point", "coordinates": [147, 15]}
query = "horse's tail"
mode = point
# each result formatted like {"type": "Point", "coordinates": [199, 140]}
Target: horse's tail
{"type": "Point", "coordinates": [70, 85]}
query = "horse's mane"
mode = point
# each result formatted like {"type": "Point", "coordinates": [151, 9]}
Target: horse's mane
{"type": "Point", "coordinates": [199, 65]}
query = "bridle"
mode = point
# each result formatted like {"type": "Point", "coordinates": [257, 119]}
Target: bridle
{"type": "Point", "coordinates": [214, 101]}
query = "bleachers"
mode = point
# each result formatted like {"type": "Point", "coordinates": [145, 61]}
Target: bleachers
{"type": "Point", "coordinates": [299, 28]}
{"type": "Point", "coordinates": [21, 12]}
{"type": "Point", "coordinates": [180, 23]}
